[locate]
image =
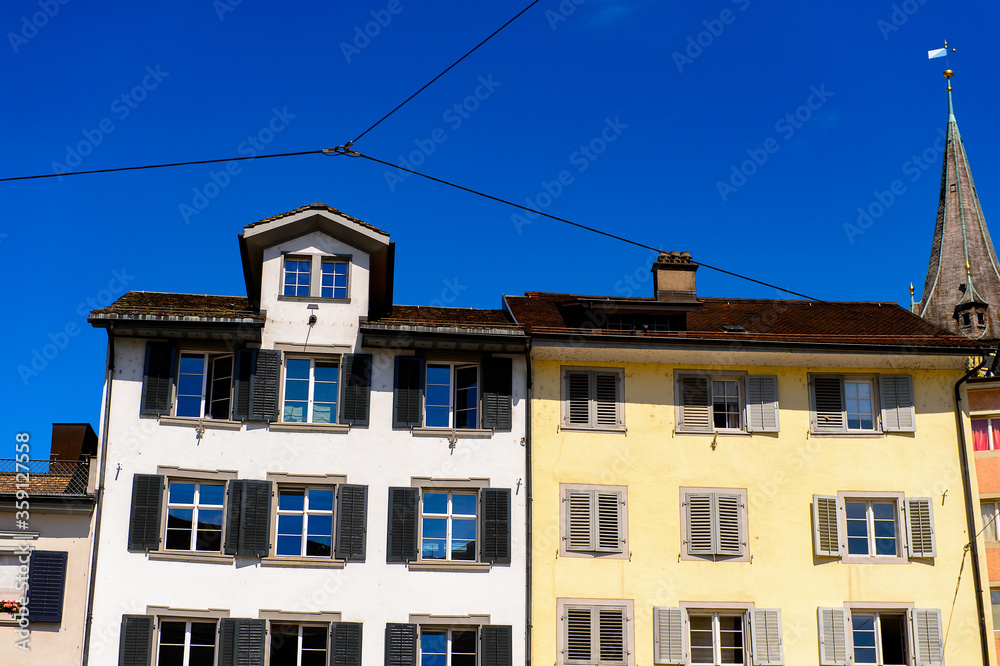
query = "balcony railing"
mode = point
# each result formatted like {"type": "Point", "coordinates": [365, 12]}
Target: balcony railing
{"type": "Point", "coordinates": [43, 477]}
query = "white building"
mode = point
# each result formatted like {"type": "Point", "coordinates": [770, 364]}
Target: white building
{"type": "Point", "coordinates": [311, 475]}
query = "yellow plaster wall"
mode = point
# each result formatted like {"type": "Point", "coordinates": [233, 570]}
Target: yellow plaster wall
{"type": "Point", "coordinates": [780, 472]}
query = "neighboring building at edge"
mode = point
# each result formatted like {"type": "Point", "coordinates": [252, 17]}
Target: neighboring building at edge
{"type": "Point", "coordinates": [46, 535]}
{"type": "Point", "coordinates": [738, 481]}
{"type": "Point", "coordinates": [311, 474]}
{"type": "Point", "coordinates": [961, 294]}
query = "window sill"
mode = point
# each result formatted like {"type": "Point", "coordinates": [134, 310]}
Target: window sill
{"type": "Point", "coordinates": [308, 427]}
{"type": "Point", "coordinates": [461, 433]}
{"type": "Point", "coordinates": [8, 622]}
{"type": "Point", "coordinates": [858, 559]}
{"type": "Point", "coordinates": [185, 556]}
{"type": "Point", "coordinates": [986, 454]}
{"type": "Point", "coordinates": [309, 299]}
{"type": "Point", "coordinates": [593, 554]}
{"type": "Point", "coordinates": [201, 422]}
{"type": "Point", "coordinates": [842, 435]}
{"type": "Point", "coordinates": [449, 566]}
{"type": "Point", "coordinates": [583, 428]}
{"type": "Point", "coordinates": [313, 562]}
{"type": "Point", "coordinates": [723, 433]}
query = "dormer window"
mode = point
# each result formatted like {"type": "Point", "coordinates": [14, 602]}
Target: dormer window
{"type": "Point", "coordinates": [297, 270]}
{"type": "Point", "coordinates": [966, 319]}
{"type": "Point", "coordinates": [316, 277]}
{"type": "Point", "coordinates": [981, 319]}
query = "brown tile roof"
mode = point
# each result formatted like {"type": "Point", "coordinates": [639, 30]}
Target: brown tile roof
{"type": "Point", "coordinates": [763, 320]}
{"type": "Point", "coordinates": [417, 315]}
{"type": "Point", "coordinates": [319, 205]}
{"type": "Point", "coordinates": [156, 304]}
{"type": "Point", "coordinates": [44, 477]}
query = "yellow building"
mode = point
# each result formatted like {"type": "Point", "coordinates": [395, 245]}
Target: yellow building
{"type": "Point", "coordinates": [735, 481]}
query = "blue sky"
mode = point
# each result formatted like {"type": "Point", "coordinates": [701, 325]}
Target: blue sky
{"type": "Point", "coordinates": [627, 116]}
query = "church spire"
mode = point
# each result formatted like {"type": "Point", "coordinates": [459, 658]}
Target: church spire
{"type": "Point", "coordinates": [962, 290]}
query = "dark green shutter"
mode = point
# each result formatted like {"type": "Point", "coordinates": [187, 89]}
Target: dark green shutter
{"type": "Point", "coordinates": [234, 512]}
{"type": "Point", "coordinates": [157, 379]}
{"type": "Point", "coordinates": [246, 359]}
{"type": "Point", "coordinates": [497, 640]}
{"type": "Point", "coordinates": [352, 522]}
{"type": "Point", "coordinates": [497, 388]}
{"type": "Point", "coordinates": [241, 642]}
{"type": "Point", "coordinates": [144, 522]}
{"type": "Point", "coordinates": [135, 647]}
{"type": "Point", "coordinates": [402, 542]}
{"type": "Point", "coordinates": [46, 581]}
{"type": "Point", "coordinates": [248, 518]}
{"type": "Point", "coordinates": [357, 383]}
{"type": "Point", "coordinates": [407, 392]}
{"type": "Point", "coordinates": [495, 511]}
{"type": "Point", "coordinates": [264, 386]}
{"type": "Point", "coordinates": [345, 644]}
{"type": "Point", "coordinates": [400, 644]}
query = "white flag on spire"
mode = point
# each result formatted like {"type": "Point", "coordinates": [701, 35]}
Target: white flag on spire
{"type": "Point", "coordinates": [937, 53]}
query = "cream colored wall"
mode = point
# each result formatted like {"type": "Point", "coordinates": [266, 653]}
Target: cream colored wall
{"type": "Point", "coordinates": [780, 472]}
{"type": "Point", "coordinates": [50, 643]}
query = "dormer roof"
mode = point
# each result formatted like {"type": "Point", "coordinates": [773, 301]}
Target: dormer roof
{"type": "Point", "coordinates": [277, 229]}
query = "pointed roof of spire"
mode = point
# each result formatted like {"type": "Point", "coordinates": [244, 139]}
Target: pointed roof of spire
{"type": "Point", "coordinates": [963, 274]}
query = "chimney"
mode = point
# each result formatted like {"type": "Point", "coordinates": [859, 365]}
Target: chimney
{"type": "Point", "coordinates": [674, 280]}
{"type": "Point", "coordinates": [73, 441]}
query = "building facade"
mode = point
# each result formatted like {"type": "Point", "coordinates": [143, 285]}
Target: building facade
{"type": "Point", "coordinates": [736, 481]}
{"type": "Point", "coordinates": [310, 474]}
{"type": "Point", "coordinates": [46, 536]}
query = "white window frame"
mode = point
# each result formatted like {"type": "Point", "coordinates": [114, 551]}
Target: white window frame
{"type": "Point", "coordinates": [10, 564]}
{"type": "Point", "coordinates": [744, 528]}
{"type": "Point", "coordinates": [208, 379]}
{"type": "Point", "coordinates": [310, 399]}
{"type": "Point", "coordinates": [316, 264]}
{"type": "Point", "coordinates": [565, 549]}
{"type": "Point", "coordinates": [628, 639]}
{"type": "Point", "coordinates": [448, 630]}
{"type": "Point", "coordinates": [335, 261]}
{"type": "Point", "coordinates": [873, 384]}
{"type": "Point", "coordinates": [711, 378]}
{"type": "Point", "coordinates": [195, 507]}
{"type": "Point", "coordinates": [284, 272]}
{"type": "Point", "coordinates": [187, 637]}
{"type": "Point", "coordinates": [715, 612]}
{"type": "Point", "coordinates": [899, 519]}
{"type": "Point", "coordinates": [995, 609]}
{"type": "Point", "coordinates": [990, 510]}
{"type": "Point", "coordinates": [453, 368]}
{"type": "Point", "coordinates": [592, 420]}
{"type": "Point", "coordinates": [298, 645]}
{"type": "Point", "coordinates": [878, 610]}
{"type": "Point", "coordinates": [449, 517]}
{"type": "Point", "coordinates": [306, 512]}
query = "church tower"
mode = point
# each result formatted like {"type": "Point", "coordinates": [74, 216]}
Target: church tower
{"type": "Point", "coordinates": [962, 290]}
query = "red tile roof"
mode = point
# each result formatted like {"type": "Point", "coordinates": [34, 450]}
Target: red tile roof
{"type": "Point", "coordinates": [762, 320]}
{"type": "Point", "coordinates": [319, 205]}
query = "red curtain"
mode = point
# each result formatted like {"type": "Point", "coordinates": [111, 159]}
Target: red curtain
{"type": "Point", "coordinates": [980, 436]}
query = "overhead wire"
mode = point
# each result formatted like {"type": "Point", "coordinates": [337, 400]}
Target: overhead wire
{"type": "Point", "coordinates": [450, 67]}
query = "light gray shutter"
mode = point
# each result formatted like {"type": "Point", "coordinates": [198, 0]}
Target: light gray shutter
{"type": "Point", "coordinates": [767, 644]}
{"type": "Point", "coordinates": [828, 404]}
{"type": "Point", "coordinates": [928, 643]}
{"type": "Point", "coordinates": [609, 522]}
{"type": "Point", "coordinates": [696, 413]}
{"type": "Point", "coordinates": [607, 411]}
{"type": "Point", "coordinates": [896, 393]}
{"type": "Point", "coordinates": [577, 399]}
{"type": "Point", "coordinates": [699, 515]}
{"type": "Point", "coordinates": [832, 637]}
{"type": "Point", "coordinates": [668, 636]}
{"type": "Point", "coordinates": [611, 635]}
{"type": "Point", "coordinates": [579, 633]}
{"type": "Point", "coordinates": [826, 541]}
{"type": "Point", "coordinates": [920, 527]}
{"type": "Point", "coordinates": [730, 524]}
{"type": "Point", "coordinates": [580, 532]}
{"type": "Point", "coordinates": [762, 403]}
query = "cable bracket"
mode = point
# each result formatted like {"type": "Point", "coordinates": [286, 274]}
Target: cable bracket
{"type": "Point", "coordinates": [342, 150]}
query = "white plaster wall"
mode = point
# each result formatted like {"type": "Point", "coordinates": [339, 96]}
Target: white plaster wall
{"type": "Point", "coordinates": [373, 592]}
{"type": "Point", "coordinates": [287, 319]}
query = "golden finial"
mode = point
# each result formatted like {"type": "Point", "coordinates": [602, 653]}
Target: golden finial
{"type": "Point", "coordinates": [911, 289]}
{"type": "Point", "coordinates": [968, 269]}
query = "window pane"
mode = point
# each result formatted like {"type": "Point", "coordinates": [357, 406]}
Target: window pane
{"type": "Point", "coordinates": [995, 606]}
{"type": "Point", "coordinates": [463, 550]}
{"type": "Point", "coordinates": [463, 505]}
{"type": "Point", "coordinates": [181, 493]}
{"type": "Point", "coordinates": [989, 510]}
{"type": "Point", "coordinates": [320, 525]}
{"type": "Point", "coordinates": [297, 368]}
{"type": "Point", "coordinates": [980, 434]}
{"type": "Point", "coordinates": [180, 519]}
{"type": "Point", "coordinates": [437, 417]}
{"type": "Point", "coordinates": [202, 633]}
{"type": "Point", "coordinates": [463, 529]}
{"type": "Point", "coordinates": [284, 644]}
{"type": "Point", "coordinates": [321, 500]}
{"type": "Point", "coordinates": [296, 390]}
{"type": "Point", "coordinates": [322, 413]}
{"type": "Point", "coordinates": [290, 524]}
{"type": "Point", "coordinates": [208, 520]}
{"type": "Point", "coordinates": [435, 502]}
{"type": "Point", "coordinates": [291, 500]}
{"type": "Point", "coordinates": [863, 633]}
{"type": "Point", "coordinates": [318, 546]}
{"type": "Point", "coordinates": [171, 655]}
{"type": "Point", "coordinates": [172, 632]}
{"type": "Point", "coordinates": [202, 656]}
{"type": "Point", "coordinates": [435, 528]}
{"type": "Point", "coordinates": [289, 545]}
{"type": "Point", "coordinates": [433, 641]}
{"type": "Point", "coordinates": [211, 494]}
{"type": "Point", "coordinates": [893, 639]}
{"type": "Point", "coordinates": [295, 412]}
